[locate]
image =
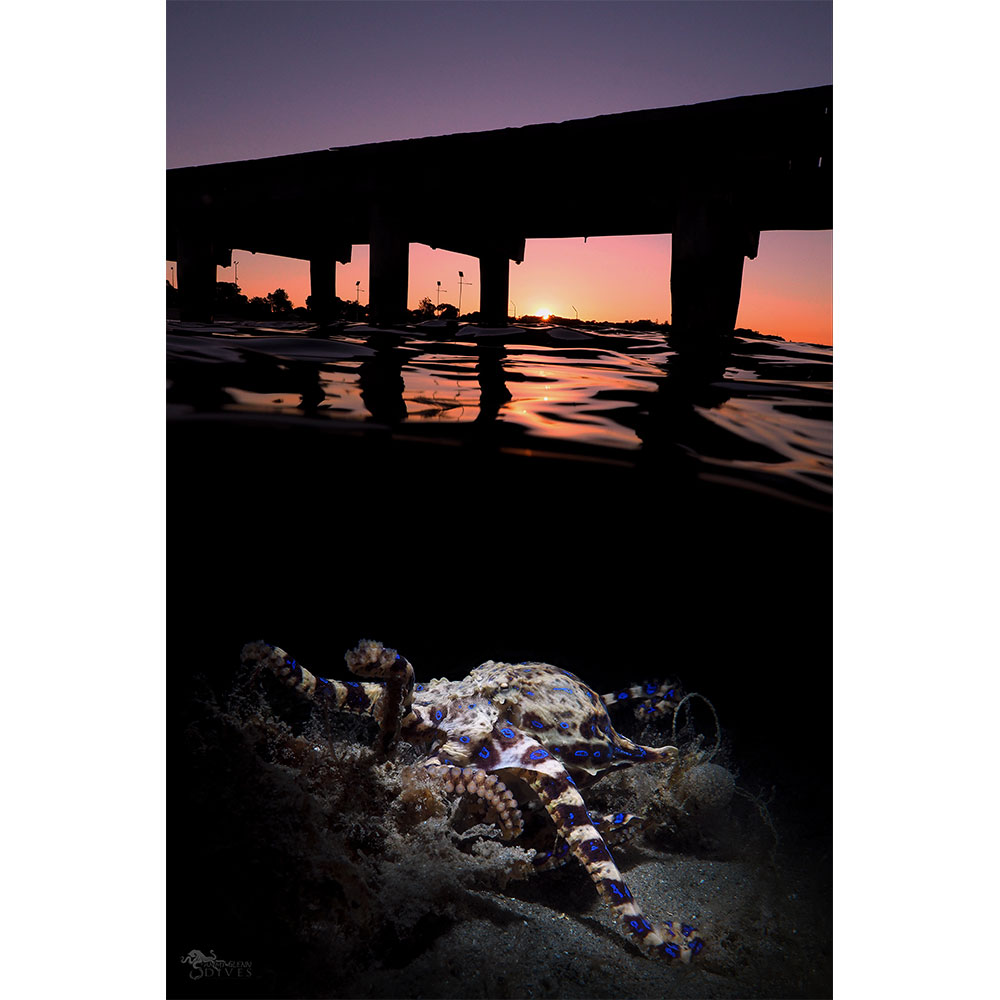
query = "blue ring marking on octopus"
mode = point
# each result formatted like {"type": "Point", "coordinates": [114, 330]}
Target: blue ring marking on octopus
{"type": "Point", "coordinates": [622, 695]}
{"type": "Point", "coordinates": [564, 725]}
{"type": "Point", "coordinates": [671, 949]}
{"type": "Point", "coordinates": [537, 724]}
{"type": "Point", "coordinates": [686, 929]}
{"type": "Point", "coordinates": [484, 752]}
{"type": "Point", "coordinates": [323, 680]}
{"type": "Point", "coordinates": [562, 689]}
{"type": "Point", "coordinates": [670, 693]}
{"type": "Point", "coordinates": [420, 687]}
{"type": "Point", "coordinates": [570, 780]}
{"type": "Point", "coordinates": [538, 754]}
{"type": "Point", "coordinates": [352, 684]}
{"type": "Point", "coordinates": [696, 945]}
{"type": "Point", "coordinates": [616, 890]}
{"type": "Point", "coordinates": [597, 753]}
{"type": "Point", "coordinates": [439, 715]}
{"type": "Point", "coordinates": [509, 733]}
{"type": "Point", "coordinates": [579, 753]}
{"type": "Point", "coordinates": [448, 760]}
{"type": "Point", "coordinates": [619, 818]}
{"type": "Point", "coordinates": [472, 706]}
{"type": "Point", "coordinates": [464, 739]}
{"type": "Point", "coordinates": [530, 694]}
{"type": "Point", "coordinates": [650, 688]}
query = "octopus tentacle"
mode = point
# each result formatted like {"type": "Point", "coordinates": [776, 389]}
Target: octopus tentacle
{"type": "Point", "coordinates": [371, 659]}
{"type": "Point", "coordinates": [565, 806]}
{"type": "Point", "coordinates": [615, 828]}
{"type": "Point", "coordinates": [655, 700]}
{"type": "Point", "coordinates": [556, 858]}
{"type": "Point", "coordinates": [487, 787]}
{"type": "Point", "coordinates": [618, 827]}
{"type": "Point", "coordinates": [361, 698]}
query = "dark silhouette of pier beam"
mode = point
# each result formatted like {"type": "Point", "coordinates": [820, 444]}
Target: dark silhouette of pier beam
{"type": "Point", "coordinates": [323, 282]}
{"type": "Point", "coordinates": [197, 260]}
{"type": "Point", "coordinates": [388, 268]}
{"type": "Point", "coordinates": [713, 174]}
{"type": "Point", "coordinates": [710, 241]}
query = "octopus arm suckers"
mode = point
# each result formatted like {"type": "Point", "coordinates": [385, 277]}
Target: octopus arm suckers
{"type": "Point", "coordinates": [487, 787]}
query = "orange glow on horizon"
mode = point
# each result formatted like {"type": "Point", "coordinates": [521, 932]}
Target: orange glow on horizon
{"type": "Point", "coordinates": [787, 290]}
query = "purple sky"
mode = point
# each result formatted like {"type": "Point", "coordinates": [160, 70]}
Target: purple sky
{"type": "Point", "coordinates": [256, 79]}
{"type": "Point", "coordinates": [261, 79]}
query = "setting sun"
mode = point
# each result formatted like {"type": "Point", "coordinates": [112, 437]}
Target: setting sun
{"type": "Point", "coordinates": [543, 313]}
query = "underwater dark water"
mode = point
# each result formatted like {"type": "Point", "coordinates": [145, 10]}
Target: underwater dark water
{"type": "Point", "coordinates": [600, 502]}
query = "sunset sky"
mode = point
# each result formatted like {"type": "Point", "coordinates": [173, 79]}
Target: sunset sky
{"type": "Point", "coordinates": [248, 80]}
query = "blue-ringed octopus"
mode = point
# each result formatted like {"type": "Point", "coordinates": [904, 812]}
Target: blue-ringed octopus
{"type": "Point", "coordinates": [504, 724]}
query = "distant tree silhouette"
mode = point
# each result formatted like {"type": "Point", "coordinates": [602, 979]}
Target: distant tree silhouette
{"type": "Point", "coordinates": [279, 302]}
{"type": "Point", "coordinates": [447, 311]}
{"type": "Point", "coordinates": [426, 307]}
{"type": "Point", "coordinates": [258, 308]}
{"type": "Point", "coordinates": [228, 298]}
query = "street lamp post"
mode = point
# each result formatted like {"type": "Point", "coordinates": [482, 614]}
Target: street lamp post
{"type": "Point", "coordinates": [461, 281]}
{"type": "Point", "coordinates": [514, 304]}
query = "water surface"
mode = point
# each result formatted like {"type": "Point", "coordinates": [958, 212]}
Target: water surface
{"type": "Point", "coordinates": [754, 414]}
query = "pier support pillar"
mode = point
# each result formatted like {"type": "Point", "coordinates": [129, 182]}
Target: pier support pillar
{"type": "Point", "coordinates": [323, 283]}
{"type": "Point", "coordinates": [706, 270]}
{"type": "Point", "coordinates": [494, 288]}
{"type": "Point", "coordinates": [388, 270]}
{"type": "Point", "coordinates": [323, 288]}
{"type": "Point", "coordinates": [196, 277]}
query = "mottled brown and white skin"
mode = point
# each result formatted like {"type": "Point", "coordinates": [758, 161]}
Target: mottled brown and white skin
{"type": "Point", "coordinates": [530, 723]}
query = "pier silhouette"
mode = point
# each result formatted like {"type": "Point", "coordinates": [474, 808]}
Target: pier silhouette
{"type": "Point", "coordinates": [714, 175]}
